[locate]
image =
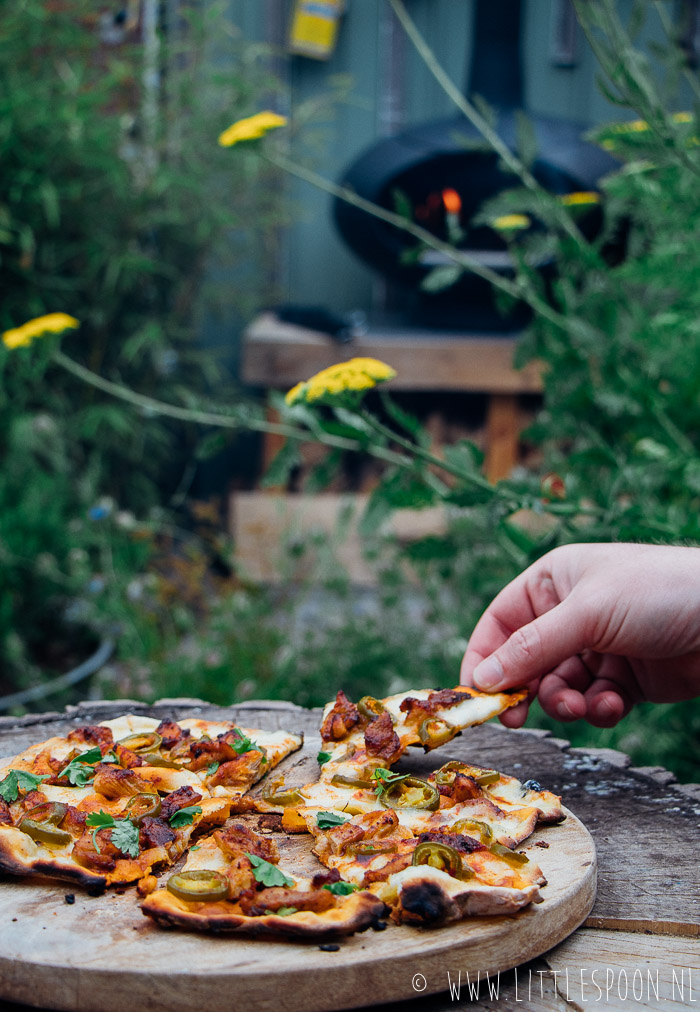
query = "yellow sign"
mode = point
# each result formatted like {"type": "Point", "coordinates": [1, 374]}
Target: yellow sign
{"type": "Point", "coordinates": [314, 28]}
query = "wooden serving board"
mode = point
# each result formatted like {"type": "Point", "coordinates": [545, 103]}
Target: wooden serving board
{"type": "Point", "coordinates": [100, 953]}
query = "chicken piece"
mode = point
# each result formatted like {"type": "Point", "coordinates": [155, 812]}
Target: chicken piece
{"type": "Point", "coordinates": [341, 719]}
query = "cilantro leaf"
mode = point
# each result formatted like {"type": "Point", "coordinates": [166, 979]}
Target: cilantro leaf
{"type": "Point", "coordinates": [268, 874]}
{"type": "Point", "coordinates": [341, 888]}
{"type": "Point", "coordinates": [212, 768]}
{"type": "Point", "coordinates": [125, 836]}
{"type": "Point", "coordinates": [385, 779]}
{"type": "Point", "coordinates": [17, 780]}
{"type": "Point", "coordinates": [326, 820]}
{"type": "Point", "coordinates": [80, 770]}
{"type": "Point", "coordinates": [92, 756]}
{"type": "Point", "coordinates": [99, 820]}
{"type": "Point", "coordinates": [286, 911]}
{"type": "Point", "coordinates": [323, 757]}
{"type": "Point", "coordinates": [184, 816]}
{"type": "Point", "coordinates": [243, 743]}
{"type": "Point", "coordinates": [79, 774]}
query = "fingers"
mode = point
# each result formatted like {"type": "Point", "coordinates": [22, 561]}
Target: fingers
{"type": "Point", "coordinates": [561, 692]}
{"type": "Point", "coordinates": [597, 688]}
{"type": "Point", "coordinates": [607, 703]}
{"type": "Point", "coordinates": [517, 715]}
{"type": "Point", "coordinates": [534, 650]}
{"type": "Point", "coordinates": [518, 604]}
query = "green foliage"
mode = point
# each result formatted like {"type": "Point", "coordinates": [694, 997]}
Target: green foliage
{"type": "Point", "coordinates": [113, 210]}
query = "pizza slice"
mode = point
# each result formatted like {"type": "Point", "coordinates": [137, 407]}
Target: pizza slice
{"type": "Point", "coordinates": [224, 759]}
{"type": "Point", "coordinates": [426, 878]}
{"type": "Point", "coordinates": [361, 742]}
{"type": "Point", "coordinates": [377, 732]}
{"type": "Point", "coordinates": [233, 882]}
{"type": "Point", "coordinates": [110, 802]}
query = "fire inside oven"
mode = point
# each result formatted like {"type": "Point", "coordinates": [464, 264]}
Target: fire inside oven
{"type": "Point", "coordinates": [444, 195]}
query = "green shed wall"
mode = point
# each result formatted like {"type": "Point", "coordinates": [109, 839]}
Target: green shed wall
{"type": "Point", "coordinates": [392, 88]}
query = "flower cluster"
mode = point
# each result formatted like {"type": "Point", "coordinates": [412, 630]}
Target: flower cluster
{"type": "Point", "coordinates": [357, 374]}
{"type": "Point", "coordinates": [52, 323]}
{"type": "Point", "coordinates": [610, 134]}
{"type": "Point", "coordinates": [511, 222]}
{"type": "Point", "coordinates": [581, 198]}
{"type": "Point", "coordinates": [251, 128]}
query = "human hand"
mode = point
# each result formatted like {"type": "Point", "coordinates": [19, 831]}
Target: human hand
{"type": "Point", "coordinates": [593, 629]}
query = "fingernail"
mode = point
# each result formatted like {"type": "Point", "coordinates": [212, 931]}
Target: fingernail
{"type": "Point", "coordinates": [489, 674]}
{"type": "Point", "coordinates": [563, 711]}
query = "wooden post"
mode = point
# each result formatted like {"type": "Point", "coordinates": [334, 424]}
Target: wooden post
{"type": "Point", "coordinates": [502, 431]}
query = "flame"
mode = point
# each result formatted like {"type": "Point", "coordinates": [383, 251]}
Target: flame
{"type": "Point", "coordinates": [452, 201]}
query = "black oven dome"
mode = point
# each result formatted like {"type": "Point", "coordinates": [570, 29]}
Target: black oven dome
{"type": "Point", "coordinates": [450, 155]}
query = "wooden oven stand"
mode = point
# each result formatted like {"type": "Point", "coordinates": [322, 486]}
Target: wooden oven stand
{"type": "Point", "coordinates": [278, 355]}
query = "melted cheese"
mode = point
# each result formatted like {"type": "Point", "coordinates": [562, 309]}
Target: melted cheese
{"type": "Point", "coordinates": [130, 723]}
{"type": "Point", "coordinates": [66, 795]}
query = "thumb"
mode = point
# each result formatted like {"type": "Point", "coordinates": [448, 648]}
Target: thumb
{"type": "Point", "coordinates": [533, 650]}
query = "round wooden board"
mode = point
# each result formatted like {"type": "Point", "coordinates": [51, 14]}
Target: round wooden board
{"type": "Point", "coordinates": [100, 953]}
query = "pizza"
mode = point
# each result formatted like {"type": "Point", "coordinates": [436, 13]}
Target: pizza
{"type": "Point", "coordinates": [109, 802]}
{"type": "Point", "coordinates": [171, 806]}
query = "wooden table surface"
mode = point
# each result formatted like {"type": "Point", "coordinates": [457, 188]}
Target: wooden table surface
{"type": "Point", "coordinates": [640, 947]}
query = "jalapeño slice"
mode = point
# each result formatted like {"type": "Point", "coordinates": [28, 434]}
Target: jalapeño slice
{"type": "Point", "coordinates": [41, 824]}
{"type": "Point", "coordinates": [440, 856]}
{"type": "Point", "coordinates": [200, 886]}
{"type": "Point", "coordinates": [370, 707]}
{"type": "Point", "coordinates": [142, 741]}
{"type": "Point", "coordinates": [472, 827]}
{"type": "Point", "coordinates": [340, 781]}
{"type": "Point", "coordinates": [434, 732]}
{"type": "Point", "coordinates": [510, 855]}
{"type": "Point", "coordinates": [142, 805]}
{"type": "Point", "coordinates": [51, 812]}
{"type": "Point", "coordinates": [411, 792]}
{"type": "Point", "coordinates": [275, 795]}
{"type": "Point", "coordinates": [482, 777]}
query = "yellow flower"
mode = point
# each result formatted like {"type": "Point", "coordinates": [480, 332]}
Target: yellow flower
{"type": "Point", "coordinates": [357, 374]}
{"type": "Point", "coordinates": [52, 323]}
{"type": "Point", "coordinates": [633, 126]}
{"type": "Point", "coordinates": [508, 222]}
{"type": "Point", "coordinates": [251, 128]}
{"type": "Point", "coordinates": [579, 198]}
{"type": "Point", "coordinates": [682, 117]}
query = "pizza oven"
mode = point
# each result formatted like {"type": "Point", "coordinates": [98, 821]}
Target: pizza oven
{"type": "Point", "coordinates": [442, 173]}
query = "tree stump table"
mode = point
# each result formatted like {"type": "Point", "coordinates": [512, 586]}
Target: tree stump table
{"type": "Point", "coordinates": [638, 948]}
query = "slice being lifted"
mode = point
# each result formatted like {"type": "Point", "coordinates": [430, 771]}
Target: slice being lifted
{"type": "Point", "coordinates": [378, 731]}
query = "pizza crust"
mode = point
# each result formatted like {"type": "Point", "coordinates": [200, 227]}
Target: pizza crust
{"type": "Point", "coordinates": [20, 855]}
{"type": "Point", "coordinates": [352, 913]}
{"type": "Point", "coordinates": [427, 897]}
